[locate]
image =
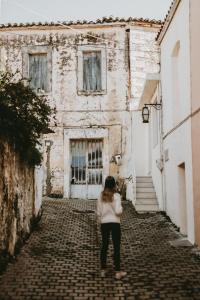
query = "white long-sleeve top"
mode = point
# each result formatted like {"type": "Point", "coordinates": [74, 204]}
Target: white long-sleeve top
{"type": "Point", "coordinates": [109, 212]}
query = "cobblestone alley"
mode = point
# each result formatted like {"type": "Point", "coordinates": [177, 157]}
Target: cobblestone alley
{"type": "Point", "coordinates": [61, 259]}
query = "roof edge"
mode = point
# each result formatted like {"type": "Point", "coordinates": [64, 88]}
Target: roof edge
{"type": "Point", "coordinates": [148, 89]}
{"type": "Point", "coordinates": [168, 20]}
{"type": "Point", "coordinates": [104, 20]}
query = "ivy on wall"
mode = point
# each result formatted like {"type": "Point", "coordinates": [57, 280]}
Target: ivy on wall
{"type": "Point", "coordinates": [24, 116]}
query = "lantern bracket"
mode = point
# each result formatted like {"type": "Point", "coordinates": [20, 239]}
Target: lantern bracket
{"type": "Point", "coordinates": [146, 111]}
{"type": "Point", "coordinates": [157, 106]}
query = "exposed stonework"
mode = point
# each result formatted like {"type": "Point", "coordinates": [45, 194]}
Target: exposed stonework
{"type": "Point", "coordinates": [17, 199]}
{"type": "Point", "coordinates": [108, 109]}
{"type": "Point", "coordinates": [144, 59]}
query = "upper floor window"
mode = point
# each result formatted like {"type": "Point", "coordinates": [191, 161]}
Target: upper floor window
{"type": "Point", "coordinates": [91, 70]}
{"type": "Point", "coordinates": [37, 66]}
{"type": "Point", "coordinates": [38, 72]}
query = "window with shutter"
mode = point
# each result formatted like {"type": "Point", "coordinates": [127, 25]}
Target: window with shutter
{"type": "Point", "coordinates": [92, 71]}
{"type": "Point", "coordinates": [38, 72]}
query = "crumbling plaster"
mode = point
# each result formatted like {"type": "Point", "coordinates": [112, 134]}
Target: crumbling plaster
{"type": "Point", "coordinates": [109, 110]}
{"type": "Point", "coordinates": [20, 199]}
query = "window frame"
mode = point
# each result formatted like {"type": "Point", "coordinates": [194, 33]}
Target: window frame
{"type": "Point", "coordinates": [91, 48]}
{"type": "Point", "coordinates": [37, 50]}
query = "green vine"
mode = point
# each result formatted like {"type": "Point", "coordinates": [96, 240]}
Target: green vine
{"type": "Point", "coordinates": [24, 116]}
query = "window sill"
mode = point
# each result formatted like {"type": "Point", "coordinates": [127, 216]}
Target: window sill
{"type": "Point", "coordinates": [91, 93]}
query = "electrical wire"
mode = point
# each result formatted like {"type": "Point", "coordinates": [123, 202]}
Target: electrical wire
{"type": "Point", "coordinates": [90, 35]}
{"type": "Point", "coordinates": [65, 25]}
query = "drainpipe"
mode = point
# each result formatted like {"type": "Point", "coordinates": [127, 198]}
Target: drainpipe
{"type": "Point", "coordinates": [128, 61]}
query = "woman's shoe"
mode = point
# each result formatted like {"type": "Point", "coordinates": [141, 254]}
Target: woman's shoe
{"type": "Point", "coordinates": [103, 273]}
{"type": "Point", "coordinates": [120, 274]}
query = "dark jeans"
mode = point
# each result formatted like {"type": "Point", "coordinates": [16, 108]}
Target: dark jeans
{"type": "Point", "coordinates": [115, 230]}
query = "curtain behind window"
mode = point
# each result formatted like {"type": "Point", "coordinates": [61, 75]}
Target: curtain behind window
{"type": "Point", "coordinates": [38, 71]}
{"type": "Point", "coordinates": [92, 71]}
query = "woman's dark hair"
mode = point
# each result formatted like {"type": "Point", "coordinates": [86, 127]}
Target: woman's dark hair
{"type": "Point", "coordinates": [109, 189]}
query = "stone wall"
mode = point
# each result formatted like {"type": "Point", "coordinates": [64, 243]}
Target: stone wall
{"type": "Point", "coordinates": [17, 200]}
{"type": "Point", "coordinates": [144, 59]}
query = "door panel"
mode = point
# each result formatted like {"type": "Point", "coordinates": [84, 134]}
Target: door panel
{"type": "Point", "coordinates": [86, 168]}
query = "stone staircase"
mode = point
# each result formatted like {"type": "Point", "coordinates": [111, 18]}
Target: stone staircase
{"type": "Point", "coordinates": [146, 199]}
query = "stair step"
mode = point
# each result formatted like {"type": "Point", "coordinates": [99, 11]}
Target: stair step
{"type": "Point", "coordinates": [144, 184]}
{"type": "Point", "coordinates": [145, 189]}
{"type": "Point", "coordinates": [146, 195]}
{"type": "Point", "coordinates": [146, 201]}
{"type": "Point", "coordinates": [146, 208]}
{"type": "Point", "coordinates": [143, 179]}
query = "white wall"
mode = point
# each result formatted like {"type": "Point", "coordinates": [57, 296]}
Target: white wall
{"type": "Point", "coordinates": [155, 149]}
{"type": "Point", "coordinates": [179, 147]}
{"type": "Point", "coordinates": [140, 144]}
{"type": "Point", "coordinates": [177, 136]}
{"type": "Point", "coordinates": [178, 31]}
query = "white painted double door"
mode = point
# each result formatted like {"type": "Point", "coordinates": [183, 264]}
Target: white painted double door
{"type": "Point", "coordinates": [86, 168]}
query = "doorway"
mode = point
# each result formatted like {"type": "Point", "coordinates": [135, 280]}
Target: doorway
{"type": "Point", "coordinates": [86, 168]}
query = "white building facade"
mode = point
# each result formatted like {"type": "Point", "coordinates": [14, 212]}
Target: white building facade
{"type": "Point", "coordinates": [92, 73]}
{"type": "Point", "coordinates": [171, 158]}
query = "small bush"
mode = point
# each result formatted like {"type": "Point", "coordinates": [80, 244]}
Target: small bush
{"type": "Point", "coordinates": [24, 116]}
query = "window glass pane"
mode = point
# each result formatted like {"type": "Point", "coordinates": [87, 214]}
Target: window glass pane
{"type": "Point", "coordinates": [38, 71]}
{"type": "Point", "coordinates": [78, 166]}
{"type": "Point", "coordinates": [92, 71]}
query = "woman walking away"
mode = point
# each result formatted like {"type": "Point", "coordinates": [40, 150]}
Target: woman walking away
{"type": "Point", "coordinates": [109, 210]}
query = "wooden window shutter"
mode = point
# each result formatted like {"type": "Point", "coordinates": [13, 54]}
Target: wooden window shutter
{"type": "Point", "coordinates": [92, 71]}
{"type": "Point", "coordinates": [38, 71]}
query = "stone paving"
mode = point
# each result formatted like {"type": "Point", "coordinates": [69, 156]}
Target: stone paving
{"type": "Point", "coordinates": [61, 259]}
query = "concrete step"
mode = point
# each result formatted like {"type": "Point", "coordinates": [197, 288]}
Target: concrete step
{"type": "Point", "coordinates": [146, 199]}
{"type": "Point", "coordinates": [143, 201]}
{"type": "Point", "coordinates": [145, 189]}
{"type": "Point", "coordinates": [146, 208]}
{"type": "Point", "coordinates": [144, 184]}
{"type": "Point", "coordinates": [143, 179]}
{"type": "Point", "coordinates": [146, 195]}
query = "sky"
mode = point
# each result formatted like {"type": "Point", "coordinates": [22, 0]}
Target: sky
{"type": "Point", "coordinates": [67, 10]}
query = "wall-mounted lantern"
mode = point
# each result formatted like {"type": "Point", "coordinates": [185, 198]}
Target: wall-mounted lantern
{"type": "Point", "coordinates": [146, 111]}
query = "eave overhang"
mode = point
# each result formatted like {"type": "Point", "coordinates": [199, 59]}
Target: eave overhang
{"type": "Point", "coordinates": [151, 82]}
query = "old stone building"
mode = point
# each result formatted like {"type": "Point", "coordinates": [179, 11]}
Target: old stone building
{"type": "Point", "coordinates": [93, 73]}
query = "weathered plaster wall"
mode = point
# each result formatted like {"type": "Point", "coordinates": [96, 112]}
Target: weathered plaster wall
{"type": "Point", "coordinates": [18, 203]}
{"type": "Point", "coordinates": [110, 109]}
{"type": "Point", "coordinates": [144, 59]}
